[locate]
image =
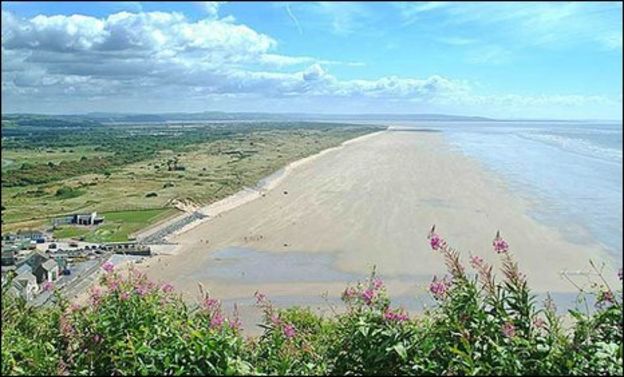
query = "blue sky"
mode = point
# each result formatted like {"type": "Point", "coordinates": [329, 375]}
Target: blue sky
{"type": "Point", "coordinates": [520, 60]}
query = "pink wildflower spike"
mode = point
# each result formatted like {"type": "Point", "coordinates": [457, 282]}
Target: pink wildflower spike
{"type": "Point", "coordinates": [605, 297]}
{"type": "Point", "coordinates": [538, 322]}
{"type": "Point", "coordinates": [435, 241]}
{"type": "Point", "coordinates": [348, 293]}
{"type": "Point", "coordinates": [210, 303]}
{"type": "Point", "coordinates": [108, 267]}
{"type": "Point", "coordinates": [96, 296]}
{"type": "Point", "coordinates": [141, 290]}
{"type": "Point", "coordinates": [377, 283]}
{"type": "Point", "coordinates": [47, 286]}
{"type": "Point", "coordinates": [97, 338]}
{"type": "Point", "coordinates": [398, 315]}
{"type": "Point", "coordinates": [509, 330]}
{"type": "Point", "coordinates": [236, 322]}
{"type": "Point", "coordinates": [275, 320]}
{"type": "Point", "coordinates": [368, 296]}
{"type": "Point", "coordinates": [124, 296]}
{"type": "Point", "coordinates": [65, 326]}
{"type": "Point", "coordinates": [500, 245]}
{"type": "Point", "coordinates": [260, 297]}
{"type": "Point", "coordinates": [216, 320]}
{"type": "Point", "coordinates": [476, 261]}
{"type": "Point", "coordinates": [167, 288]}
{"type": "Point", "coordinates": [289, 331]}
{"type": "Point", "coordinates": [438, 288]}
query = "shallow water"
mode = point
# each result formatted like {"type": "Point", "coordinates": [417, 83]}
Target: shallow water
{"type": "Point", "coordinates": [571, 170]}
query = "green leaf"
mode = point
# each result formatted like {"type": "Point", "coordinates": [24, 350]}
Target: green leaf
{"type": "Point", "coordinates": [400, 350]}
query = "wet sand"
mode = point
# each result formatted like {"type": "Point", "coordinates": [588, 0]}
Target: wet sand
{"type": "Point", "coordinates": [327, 220]}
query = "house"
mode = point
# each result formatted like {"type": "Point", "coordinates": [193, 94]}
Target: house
{"type": "Point", "coordinates": [8, 257]}
{"type": "Point", "coordinates": [48, 271]}
{"type": "Point", "coordinates": [42, 267]}
{"type": "Point", "coordinates": [24, 285]}
{"type": "Point", "coordinates": [79, 219]}
{"type": "Point", "coordinates": [87, 219]}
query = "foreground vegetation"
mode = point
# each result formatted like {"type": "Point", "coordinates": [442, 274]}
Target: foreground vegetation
{"type": "Point", "coordinates": [480, 326]}
{"type": "Point", "coordinates": [54, 170]}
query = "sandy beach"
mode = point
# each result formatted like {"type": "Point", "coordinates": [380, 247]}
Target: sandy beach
{"type": "Point", "coordinates": [328, 219]}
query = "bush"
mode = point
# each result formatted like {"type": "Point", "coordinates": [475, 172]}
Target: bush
{"type": "Point", "coordinates": [479, 326]}
{"type": "Point", "coordinates": [66, 192]}
{"type": "Point", "coordinates": [151, 195]}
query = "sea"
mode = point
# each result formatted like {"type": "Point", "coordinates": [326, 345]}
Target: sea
{"type": "Point", "coordinates": [571, 171]}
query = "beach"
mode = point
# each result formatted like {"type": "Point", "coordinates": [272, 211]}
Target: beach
{"type": "Point", "coordinates": [329, 219]}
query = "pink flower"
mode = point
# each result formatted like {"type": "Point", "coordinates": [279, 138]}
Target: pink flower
{"type": "Point", "coordinates": [508, 330]}
{"type": "Point", "coordinates": [348, 293]}
{"type": "Point", "coordinates": [368, 296]}
{"type": "Point", "coordinates": [289, 331]}
{"type": "Point", "coordinates": [398, 316]}
{"type": "Point", "coordinates": [377, 283]}
{"type": "Point", "coordinates": [47, 286]}
{"type": "Point", "coordinates": [167, 288]}
{"type": "Point", "coordinates": [236, 322]}
{"type": "Point", "coordinates": [476, 261]}
{"type": "Point", "coordinates": [275, 320]}
{"type": "Point", "coordinates": [538, 322]}
{"type": "Point", "coordinates": [97, 338]}
{"type": "Point", "coordinates": [260, 297]}
{"type": "Point", "coordinates": [96, 296]}
{"type": "Point", "coordinates": [216, 320]}
{"type": "Point", "coordinates": [141, 290]}
{"type": "Point", "coordinates": [438, 288]}
{"type": "Point", "coordinates": [605, 297]}
{"type": "Point", "coordinates": [500, 245]}
{"type": "Point", "coordinates": [210, 303]}
{"type": "Point", "coordinates": [74, 307]}
{"type": "Point", "coordinates": [124, 296]}
{"type": "Point", "coordinates": [435, 241]}
{"type": "Point", "coordinates": [65, 326]}
{"type": "Point", "coordinates": [108, 267]}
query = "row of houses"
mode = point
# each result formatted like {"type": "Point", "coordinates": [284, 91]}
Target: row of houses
{"type": "Point", "coordinates": [33, 271]}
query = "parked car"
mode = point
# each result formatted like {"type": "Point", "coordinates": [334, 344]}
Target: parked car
{"type": "Point", "coordinates": [52, 246]}
{"type": "Point", "coordinates": [73, 244]}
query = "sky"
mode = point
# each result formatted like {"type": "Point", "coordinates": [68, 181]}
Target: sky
{"type": "Point", "coordinates": [504, 60]}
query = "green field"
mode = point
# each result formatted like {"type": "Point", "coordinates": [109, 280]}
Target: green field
{"type": "Point", "coordinates": [14, 158]}
{"type": "Point", "coordinates": [198, 165]}
{"type": "Point", "coordinates": [117, 226]}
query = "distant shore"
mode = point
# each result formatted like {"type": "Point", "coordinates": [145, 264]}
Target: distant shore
{"type": "Point", "coordinates": [368, 202]}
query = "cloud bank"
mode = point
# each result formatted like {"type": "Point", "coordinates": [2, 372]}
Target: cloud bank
{"type": "Point", "coordinates": [135, 61]}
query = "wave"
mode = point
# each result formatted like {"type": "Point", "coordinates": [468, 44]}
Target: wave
{"type": "Point", "coordinates": [577, 145]}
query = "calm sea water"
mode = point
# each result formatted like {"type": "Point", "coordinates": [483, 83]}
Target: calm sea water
{"type": "Point", "coordinates": [572, 169]}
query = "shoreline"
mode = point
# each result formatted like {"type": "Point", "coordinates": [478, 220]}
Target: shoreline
{"type": "Point", "coordinates": [247, 194]}
{"type": "Point", "coordinates": [369, 203]}
{"type": "Point", "coordinates": [333, 211]}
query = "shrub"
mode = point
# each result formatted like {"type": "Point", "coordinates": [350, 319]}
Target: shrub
{"type": "Point", "coordinates": [151, 194]}
{"type": "Point", "coordinates": [66, 192]}
{"type": "Point", "coordinates": [479, 326]}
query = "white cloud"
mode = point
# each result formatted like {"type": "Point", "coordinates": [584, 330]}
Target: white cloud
{"type": "Point", "coordinates": [212, 7]}
{"type": "Point", "coordinates": [160, 60]}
